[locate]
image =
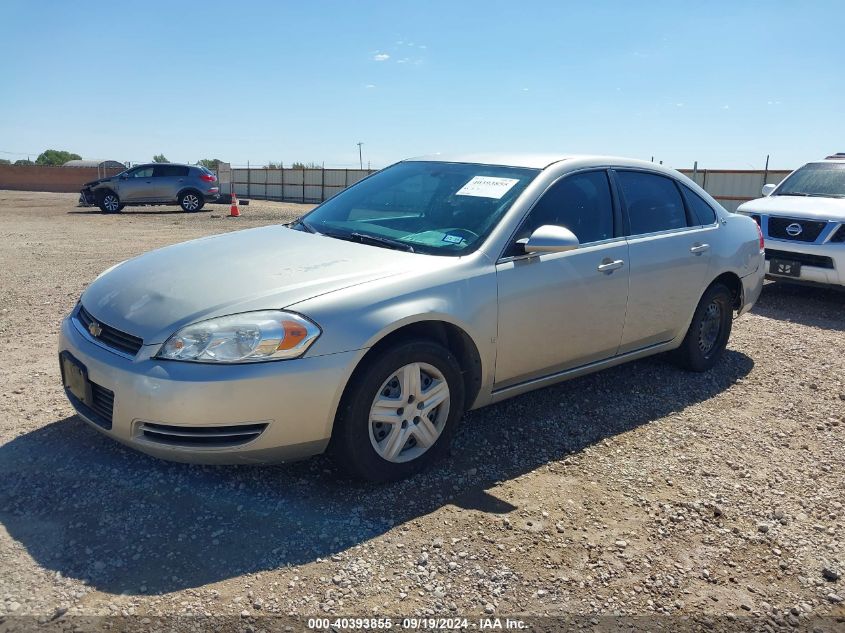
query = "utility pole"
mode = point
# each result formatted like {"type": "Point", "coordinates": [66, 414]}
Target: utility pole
{"type": "Point", "coordinates": [360, 156]}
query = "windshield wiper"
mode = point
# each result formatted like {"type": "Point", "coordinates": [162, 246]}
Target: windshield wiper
{"type": "Point", "coordinates": [360, 238]}
{"type": "Point", "coordinates": [300, 223]}
{"type": "Point", "coordinates": [377, 240]}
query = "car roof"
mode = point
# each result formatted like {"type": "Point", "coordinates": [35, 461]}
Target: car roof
{"type": "Point", "coordinates": [157, 164]}
{"type": "Point", "coordinates": [538, 161]}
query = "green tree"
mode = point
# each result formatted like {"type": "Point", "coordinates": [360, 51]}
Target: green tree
{"type": "Point", "coordinates": [301, 165]}
{"type": "Point", "coordinates": [209, 163]}
{"type": "Point", "coordinates": [24, 161]}
{"type": "Point", "coordinates": [160, 158]}
{"type": "Point", "coordinates": [5, 161]}
{"type": "Point", "coordinates": [55, 157]}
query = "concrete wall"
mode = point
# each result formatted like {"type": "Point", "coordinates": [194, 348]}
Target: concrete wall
{"type": "Point", "coordinates": [42, 178]}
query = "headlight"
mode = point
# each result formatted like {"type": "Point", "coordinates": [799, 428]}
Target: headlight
{"type": "Point", "coordinates": [242, 338]}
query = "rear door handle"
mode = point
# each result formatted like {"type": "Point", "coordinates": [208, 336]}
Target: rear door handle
{"type": "Point", "coordinates": [698, 249]}
{"type": "Point", "coordinates": [607, 266]}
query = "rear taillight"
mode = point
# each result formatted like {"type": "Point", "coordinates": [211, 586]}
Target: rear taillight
{"type": "Point", "coordinates": [760, 235]}
{"type": "Point", "coordinates": [208, 178]}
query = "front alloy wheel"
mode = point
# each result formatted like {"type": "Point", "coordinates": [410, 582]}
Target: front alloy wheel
{"type": "Point", "coordinates": [399, 411]}
{"type": "Point", "coordinates": [110, 203]}
{"type": "Point", "coordinates": [409, 412]}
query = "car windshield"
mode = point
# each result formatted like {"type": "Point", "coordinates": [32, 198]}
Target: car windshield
{"type": "Point", "coordinates": [815, 179]}
{"type": "Point", "coordinates": [428, 207]}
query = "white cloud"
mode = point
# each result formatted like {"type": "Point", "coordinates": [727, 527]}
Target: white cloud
{"type": "Point", "coordinates": [525, 90]}
{"type": "Point", "coordinates": [679, 105]}
{"type": "Point", "coordinates": [381, 57]}
{"type": "Point", "coordinates": [370, 86]}
{"type": "Point", "coordinates": [726, 107]}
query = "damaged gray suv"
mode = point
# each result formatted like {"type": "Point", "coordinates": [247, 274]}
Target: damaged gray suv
{"type": "Point", "coordinates": [189, 186]}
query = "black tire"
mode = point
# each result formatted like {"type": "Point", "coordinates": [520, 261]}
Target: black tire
{"type": "Point", "coordinates": [191, 201]}
{"type": "Point", "coordinates": [352, 444]}
{"type": "Point", "coordinates": [709, 331]}
{"type": "Point", "coordinates": [109, 202]}
{"type": "Point", "coordinates": [121, 207]}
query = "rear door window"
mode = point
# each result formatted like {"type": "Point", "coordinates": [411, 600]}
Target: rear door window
{"type": "Point", "coordinates": [653, 202]}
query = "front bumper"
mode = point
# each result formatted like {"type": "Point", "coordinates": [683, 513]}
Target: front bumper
{"type": "Point", "coordinates": [295, 399]}
{"type": "Point", "coordinates": [820, 263]}
{"type": "Point", "coordinates": [86, 198]}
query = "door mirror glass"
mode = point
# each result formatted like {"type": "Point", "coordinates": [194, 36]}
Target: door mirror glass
{"type": "Point", "coordinates": [768, 189]}
{"type": "Point", "coordinates": [549, 239]}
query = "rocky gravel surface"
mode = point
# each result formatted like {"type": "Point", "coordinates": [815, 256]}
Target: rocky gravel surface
{"type": "Point", "coordinates": [641, 490]}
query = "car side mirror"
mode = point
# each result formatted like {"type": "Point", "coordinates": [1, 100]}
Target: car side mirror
{"type": "Point", "coordinates": [549, 239]}
{"type": "Point", "coordinates": [768, 189]}
{"type": "Point", "coordinates": [124, 177]}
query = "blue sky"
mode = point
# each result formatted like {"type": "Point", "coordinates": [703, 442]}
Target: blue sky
{"type": "Point", "coordinates": [724, 83]}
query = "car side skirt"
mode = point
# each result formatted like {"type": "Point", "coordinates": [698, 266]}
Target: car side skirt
{"type": "Point", "coordinates": [544, 381]}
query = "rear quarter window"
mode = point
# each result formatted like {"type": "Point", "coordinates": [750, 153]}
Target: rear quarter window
{"type": "Point", "coordinates": [702, 212]}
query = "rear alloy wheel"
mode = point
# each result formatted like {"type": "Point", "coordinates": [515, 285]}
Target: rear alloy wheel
{"type": "Point", "coordinates": [110, 203]}
{"type": "Point", "coordinates": [399, 412]}
{"type": "Point", "coordinates": [191, 201]}
{"type": "Point", "coordinates": [709, 331]}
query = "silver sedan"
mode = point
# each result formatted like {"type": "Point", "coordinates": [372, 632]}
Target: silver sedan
{"type": "Point", "coordinates": [369, 326]}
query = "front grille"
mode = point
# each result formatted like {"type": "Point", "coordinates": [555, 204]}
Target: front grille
{"type": "Point", "coordinates": [804, 258]}
{"type": "Point", "coordinates": [109, 336]}
{"type": "Point", "coordinates": [810, 229]}
{"type": "Point", "coordinates": [101, 407]}
{"type": "Point", "coordinates": [839, 236]}
{"type": "Point", "coordinates": [201, 436]}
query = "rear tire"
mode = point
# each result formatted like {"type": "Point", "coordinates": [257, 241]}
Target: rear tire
{"type": "Point", "coordinates": [709, 331]}
{"type": "Point", "coordinates": [385, 428]}
{"type": "Point", "coordinates": [191, 201]}
{"type": "Point", "coordinates": [109, 202]}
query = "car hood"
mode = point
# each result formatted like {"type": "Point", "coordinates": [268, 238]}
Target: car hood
{"type": "Point", "coordinates": [798, 207]}
{"type": "Point", "coordinates": [96, 182]}
{"type": "Point", "coordinates": [271, 267]}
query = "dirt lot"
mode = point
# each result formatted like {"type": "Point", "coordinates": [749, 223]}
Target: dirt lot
{"type": "Point", "coordinates": [640, 490]}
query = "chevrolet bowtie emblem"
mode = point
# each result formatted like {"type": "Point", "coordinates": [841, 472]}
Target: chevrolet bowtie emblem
{"type": "Point", "coordinates": [95, 329]}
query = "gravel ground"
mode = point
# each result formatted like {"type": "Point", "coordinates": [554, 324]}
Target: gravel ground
{"type": "Point", "coordinates": [639, 490]}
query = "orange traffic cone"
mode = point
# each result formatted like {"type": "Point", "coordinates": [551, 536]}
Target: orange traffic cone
{"type": "Point", "coordinates": [234, 210]}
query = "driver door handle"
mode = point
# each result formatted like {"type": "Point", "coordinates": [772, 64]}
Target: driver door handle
{"type": "Point", "coordinates": [607, 266]}
{"type": "Point", "coordinates": [698, 249]}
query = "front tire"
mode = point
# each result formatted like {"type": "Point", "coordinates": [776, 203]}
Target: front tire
{"type": "Point", "coordinates": [109, 202]}
{"type": "Point", "coordinates": [709, 331]}
{"type": "Point", "coordinates": [191, 201]}
{"type": "Point", "coordinates": [399, 413]}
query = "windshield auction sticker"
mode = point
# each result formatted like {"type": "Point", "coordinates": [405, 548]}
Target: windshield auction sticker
{"type": "Point", "coordinates": [487, 187]}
